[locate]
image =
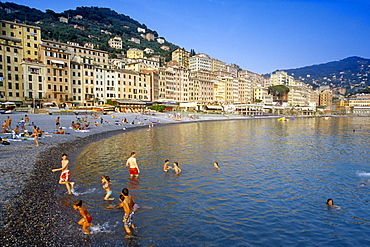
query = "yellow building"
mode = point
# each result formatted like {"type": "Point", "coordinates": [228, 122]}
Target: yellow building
{"type": "Point", "coordinates": [326, 99]}
{"type": "Point", "coordinates": [56, 57]}
{"type": "Point", "coordinates": [134, 53]}
{"type": "Point", "coordinates": [181, 56]}
{"type": "Point", "coordinates": [11, 86]}
{"type": "Point", "coordinates": [352, 106]}
{"type": "Point", "coordinates": [30, 37]}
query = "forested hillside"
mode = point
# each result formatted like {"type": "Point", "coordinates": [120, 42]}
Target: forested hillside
{"type": "Point", "coordinates": [85, 24]}
{"type": "Point", "coordinates": [351, 73]}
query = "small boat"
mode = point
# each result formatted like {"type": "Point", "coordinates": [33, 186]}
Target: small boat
{"type": "Point", "coordinates": [283, 119]}
{"type": "Point", "coordinates": [7, 107]}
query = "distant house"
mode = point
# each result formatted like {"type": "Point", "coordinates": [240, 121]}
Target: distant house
{"type": "Point", "coordinates": [78, 17]}
{"type": "Point", "coordinates": [148, 50]}
{"type": "Point", "coordinates": [160, 41]}
{"type": "Point", "coordinates": [149, 36]}
{"type": "Point", "coordinates": [141, 30]}
{"type": "Point", "coordinates": [79, 27]}
{"type": "Point", "coordinates": [106, 32]}
{"type": "Point", "coordinates": [115, 42]}
{"type": "Point", "coordinates": [135, 40]}
{"type": "Point", "coordinates": [164, 47]}
{"type": "Point", "coordinates": [63, 19]}
{"type": "Point", "coordinates": [91, 45]}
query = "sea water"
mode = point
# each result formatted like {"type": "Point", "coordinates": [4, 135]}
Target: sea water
{"type": "Point", "coordinates": [270, 190]}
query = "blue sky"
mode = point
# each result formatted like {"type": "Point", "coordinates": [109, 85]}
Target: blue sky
{"type": "Point", "coordinates": [258, 35]}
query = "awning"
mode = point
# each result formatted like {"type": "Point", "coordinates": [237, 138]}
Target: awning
{"type": "Point", "coordinates": [214, 107]}
{"type": "Point", "coordinates": [58, 62]}
{"type": "Point", "coordinates": [128, 102]}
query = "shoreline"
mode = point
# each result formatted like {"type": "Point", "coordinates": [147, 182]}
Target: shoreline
{"type": "Point", "coordinates": [34, 207]}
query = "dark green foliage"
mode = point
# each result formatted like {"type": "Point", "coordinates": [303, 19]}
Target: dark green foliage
{"type": "Point", "coordinates": [279, 91]}
{"type": "Point", "coordinates": [94, 19]}
{"type": "Point", "coordinates": [157, 107]}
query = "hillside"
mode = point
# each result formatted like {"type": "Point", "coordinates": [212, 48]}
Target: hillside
{"type": "Point", "coordinates": [86, 24]}
{"type": "Point", "coordinates": [351, 73]}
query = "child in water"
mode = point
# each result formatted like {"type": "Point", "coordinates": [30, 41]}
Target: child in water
{"type": "Point", "coordinates": [105, 180]}
{"type": "Point", "coordinates": [176, 167]}
{"type": "Point", "coordinates": [65, 175]}
{"type": "Point", "coordinates": [331, 205]}
{"type": "Point", "coordinates": [86, 217]}
{"type": "Point", "coordinates": [215, 165]}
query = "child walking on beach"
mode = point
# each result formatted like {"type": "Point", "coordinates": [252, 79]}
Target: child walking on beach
{"type": "Point", "coordinates": [66, 174]}
{"type": "Point", "coordinates": [105, 180]}
{"type": "Point", "coordinates": [86, 217]}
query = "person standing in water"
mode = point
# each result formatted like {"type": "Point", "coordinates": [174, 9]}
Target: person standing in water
{"type": "Point", "coordinates": [215, 165]}
{"type": "Point", "coordinates": [165, 166]}
{"type": "Point", "coordinates": [128, 207]}
{"type": "Point", "coordinates": [66, 174]}
{"type": "Point", "coordinates": [331, 205]}
{"type": "Point", "coordinates": [86, 217]}
{"type": "Point", "coordinates": [134, 168]}
{"type": "Point", "coordinates": [176, 167]}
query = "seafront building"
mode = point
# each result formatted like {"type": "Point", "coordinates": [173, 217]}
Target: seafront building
{"type": "Point", "coordinates": [35, 71]}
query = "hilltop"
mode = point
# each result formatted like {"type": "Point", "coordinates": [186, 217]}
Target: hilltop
{"type": "Point", "coordinates": [87, 24]}
{"type": "Point", "coordinates": [351, 73]}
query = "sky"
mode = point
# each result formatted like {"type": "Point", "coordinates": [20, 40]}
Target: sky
{"type": "Point", "coordinates": [258, 35]}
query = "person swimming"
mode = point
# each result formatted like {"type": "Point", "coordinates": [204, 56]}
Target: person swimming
{"type": "Point", "coordinates": [331, 205]}
{"type": "Point", "coordinates": [215, 165]}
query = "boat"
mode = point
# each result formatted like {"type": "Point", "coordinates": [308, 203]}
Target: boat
{"type": "Point", "coordinates": [7, 107]}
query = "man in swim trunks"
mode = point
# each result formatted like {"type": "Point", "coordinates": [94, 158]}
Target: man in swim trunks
{"type": "Point", "coordinates": [128, 207]}
{"type": "Point", "coordinates": [66, 174]}
{"type": "Point", "coordinates": [131, 162]}
{"type": "Point", "coordinates": [86, 217]}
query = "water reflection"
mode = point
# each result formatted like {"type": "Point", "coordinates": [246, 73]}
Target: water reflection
{"type": "Point", "coordinates": [272, 185]}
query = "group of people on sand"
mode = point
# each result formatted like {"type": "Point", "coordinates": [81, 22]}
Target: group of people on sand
{"type": "Point", "coordinates": [20, 130]}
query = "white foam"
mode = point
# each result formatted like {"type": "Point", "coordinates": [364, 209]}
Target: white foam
{"type": "Point", "coordinates": [363, 174]}
{"type": "Point", "coordinates": [97, 228]}
{"type": "Point", "coordinates": [89, 191]}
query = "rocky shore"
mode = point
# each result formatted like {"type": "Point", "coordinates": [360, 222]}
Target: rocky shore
{"type": "Point", "coordinates": [34, 207]}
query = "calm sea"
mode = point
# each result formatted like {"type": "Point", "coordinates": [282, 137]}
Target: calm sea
{"type": "Point", "coordinates": [270, 190]}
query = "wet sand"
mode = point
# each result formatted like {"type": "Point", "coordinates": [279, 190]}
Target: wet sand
{"type": "Point", "coordinates": [35, 209]}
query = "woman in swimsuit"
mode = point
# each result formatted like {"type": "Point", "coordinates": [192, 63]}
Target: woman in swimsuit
{"type": "Point", "coordinates": [105, 180]}
{"type": "Point", "coordinates": [176, 167]}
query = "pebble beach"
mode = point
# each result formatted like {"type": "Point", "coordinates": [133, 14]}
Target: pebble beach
{"type": "Point", "coordinates": [31, 212]}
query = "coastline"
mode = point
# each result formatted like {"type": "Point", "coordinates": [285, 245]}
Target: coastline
{"type": "Point", "coordinates": [34, 207]}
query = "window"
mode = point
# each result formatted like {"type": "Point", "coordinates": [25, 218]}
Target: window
{"type": "Point", "coordinates": [17, 86]}
{"type": "Point", "coordinates": [30, 78]}
{"type": "Point", "coordinates": [40, 88]}
{"type": "Point", "coordinates": [30, 86]}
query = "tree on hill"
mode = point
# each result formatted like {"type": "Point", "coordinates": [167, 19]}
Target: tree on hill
{"type": "Point", "coordinates": [280, 92]}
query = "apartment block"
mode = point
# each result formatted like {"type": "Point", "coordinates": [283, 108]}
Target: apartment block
{"type": "Point", "coordinates": [181, 56]}
{"type": "Point", "coordinates": [56, 57]}
{"type": "Point", "coordinates": [115, 42]}
{"type": "Point", "coordinates": [134, 53]}
{"type": "Point", "coordinates": [200, 62]}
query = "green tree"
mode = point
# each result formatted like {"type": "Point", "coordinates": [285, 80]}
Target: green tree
{"type": "Point", "coordinates": [157, 107]}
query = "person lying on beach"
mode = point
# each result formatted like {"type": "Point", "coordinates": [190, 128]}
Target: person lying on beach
{"type": "Point", "coordinates": [105, 180]}
{"type": "Point", "coordinates": [61, 131]}
{"type": "Point", "coordinates": [86, 217]}
{"type": "Point", "coordinates": [331, 205]}
{"type": "Point", "coordinates": [176, 167]}
{"type": "Point", "coordinates": [66, 174]}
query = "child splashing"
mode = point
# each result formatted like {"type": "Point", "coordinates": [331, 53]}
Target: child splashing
{"type": "Point", "coordinates": [105, 180]}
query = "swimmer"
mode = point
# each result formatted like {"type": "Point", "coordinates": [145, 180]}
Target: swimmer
{"type": "Point", "coordinates": [165, 166]}
{"type": "Point", "coordinates": [106, 181]}
{"type": "Point", "coordinates": [331, 205]}
{"type": "Point", "coordinates": [215, 165]}
{"type": "Point", "coordinates": [86, 217]}
{"type": "Point", "coordinates": [176, 167]}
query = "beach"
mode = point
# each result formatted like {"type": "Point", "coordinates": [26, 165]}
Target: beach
{"type": "Point", "coordinates": [29, 211]}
